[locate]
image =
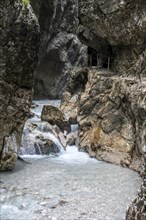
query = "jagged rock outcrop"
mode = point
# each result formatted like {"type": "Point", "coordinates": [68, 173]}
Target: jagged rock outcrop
{"type": "Point", "coordinates": [60, 49]}
{"type": "Point", "coordinates": [111, 118]}
{"type": "Point", "coordinates": [75, 85]}
{"type": "Point", "coordinates": [110, 113]}
{"type": "Point", "coordinates": [137, 210]}
{"type": "Point", "coordinates": [116, 29]}
{"type": "Point", "coordinates": [19, 40]}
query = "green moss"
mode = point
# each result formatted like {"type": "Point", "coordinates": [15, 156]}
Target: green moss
{"type": "Point", "coordinates": [25, 2]}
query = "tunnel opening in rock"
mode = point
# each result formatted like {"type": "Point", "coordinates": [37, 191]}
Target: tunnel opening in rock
{"type": "Point", "coordinates": [98, 59]}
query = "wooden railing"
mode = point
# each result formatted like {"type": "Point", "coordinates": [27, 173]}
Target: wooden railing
{"type": "Point", "coordinates": [101, 61]}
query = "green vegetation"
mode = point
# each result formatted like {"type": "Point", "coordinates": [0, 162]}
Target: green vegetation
{"type": "Point", "coordinates": [25, 2]}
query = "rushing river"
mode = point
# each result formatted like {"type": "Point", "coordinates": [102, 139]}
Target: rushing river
{"type": "Point", "coordinates": [71, 186]}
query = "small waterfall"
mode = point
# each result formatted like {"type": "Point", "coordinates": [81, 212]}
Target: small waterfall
{"type": "Point", "coordinates": [37, 148]}
{"type": "Point", "coordinates": [74, 128]}
{"type": "Point", "coordinates": [56, 141]}
{"type": "Point", "coordinates": [37, 133]}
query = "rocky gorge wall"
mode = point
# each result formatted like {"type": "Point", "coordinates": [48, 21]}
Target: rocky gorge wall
{"type": "Point", "coordinates": [111, 107]}
{"type": "Point", "coordinates": [117, 29]}
{"type": "Point", "coordinates": [60, 49]}
{"type": "Point", "coordinates": [19, 40]}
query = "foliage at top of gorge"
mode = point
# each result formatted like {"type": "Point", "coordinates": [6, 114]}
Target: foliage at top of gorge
{"type": "Point", "coordinates": [25, 2]}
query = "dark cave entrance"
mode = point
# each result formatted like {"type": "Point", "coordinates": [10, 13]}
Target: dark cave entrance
{"type": "Point", "coordinates": [99, 60]}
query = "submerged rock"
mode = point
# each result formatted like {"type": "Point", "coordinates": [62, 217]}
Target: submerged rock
{"type": "Point", "coordinates": [19, 40]}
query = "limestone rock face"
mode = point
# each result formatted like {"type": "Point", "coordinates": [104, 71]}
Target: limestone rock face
{"type": "Point", "coordinates": [111, 114]}
{"type": "Point", "coordinates": [19, 40]}
{"type": "Point", "coordinates": [116, 29]}
{"type": "Point", "coordinates": [111, 118]}
{"type": "Point", "coordinates": [75, 85]}
{"type": "Point", "coordinates": [60, 49]}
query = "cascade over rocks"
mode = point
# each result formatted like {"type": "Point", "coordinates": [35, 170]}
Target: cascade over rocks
{"type": "Point", "coordinates": [19, 40]}
{"type": "Point", "coordinates": [60, 49]}
{"type": "Point", "coordinates": [35, 139]}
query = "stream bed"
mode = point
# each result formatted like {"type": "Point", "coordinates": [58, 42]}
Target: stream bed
{"type": "Point", "coordinates": [70, 186]}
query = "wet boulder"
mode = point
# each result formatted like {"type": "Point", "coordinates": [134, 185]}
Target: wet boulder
{"type": "Point", "coordinates": [55, 116]}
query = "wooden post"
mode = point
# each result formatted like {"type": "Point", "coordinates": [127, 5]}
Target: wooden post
{"type": "Point", "coordinates": [108, 64]}
{"type": "Point", "coordinates": [90, 61]}
{"type": "Point", "coordinates": [97, 61]}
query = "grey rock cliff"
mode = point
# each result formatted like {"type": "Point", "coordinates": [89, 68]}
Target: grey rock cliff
{"type": "Point", "coordinates": [137, 210]}
{"type": "Point", "coordinates": [60, 49]}
{"type": "Point", "coordinates": [19, 40]}
{"type": "Point", "coordinates": [116, 29]}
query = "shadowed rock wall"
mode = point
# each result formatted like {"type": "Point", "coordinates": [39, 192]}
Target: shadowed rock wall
{"type": "Point", "coordinates": [60, 49]}
{"type": "Point", "coordinates": [19, 40]}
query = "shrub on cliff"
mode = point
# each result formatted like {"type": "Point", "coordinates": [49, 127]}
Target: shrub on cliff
{"type": "Point", "coordinates": [25, 2]}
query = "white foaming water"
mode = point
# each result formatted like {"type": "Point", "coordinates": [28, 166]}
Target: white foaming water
{"type": "Point", "coordinates": [34, 156]}
{"type": "Point", "coordinates": [55, 140]}
{"type": "Point", "coordinates": [73, 155]}
{"type": "Point", "coordinates": [74, 128]}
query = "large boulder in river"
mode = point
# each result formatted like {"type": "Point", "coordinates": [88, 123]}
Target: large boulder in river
{"type": "Point", "coordinates": [53, 115]}
{"type": "Point", "coordinates": [19, 40]}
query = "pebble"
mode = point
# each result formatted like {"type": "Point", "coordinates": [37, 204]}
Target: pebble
{"type": "Point", "coordinates": [2, 198]}
{"type": "Point", "coordinates": [44, 203]}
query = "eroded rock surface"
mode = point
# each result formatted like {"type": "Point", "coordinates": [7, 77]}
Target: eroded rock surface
{"type": "Point", "coordinates": [55, 116]}
{"type": "Point", "coordinates": [137, 210]}
{"type": "Point", "coordinates": [19, 40]}
{"type": "Point", "coordinates": [110, 113]}
{"type": "Point", "coordinates": [60, 49]}
{"type": "Point", "coordinates": [116, 29]}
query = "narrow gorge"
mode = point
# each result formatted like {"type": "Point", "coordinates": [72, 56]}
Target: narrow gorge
{"type": "Point", "coordinates": [73, 109]}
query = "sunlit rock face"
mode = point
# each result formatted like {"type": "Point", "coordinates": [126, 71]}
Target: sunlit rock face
{"type": "Point", "coordinates": [117, 29]}
{"type": "Point", "coordinates": [60, 49]}
{"type": "Point", "coordinates": [110, 112]}
{"type": "Point", "coordinates": [111, 119]}
{"type": "Point", "coordinates": [19, 40]}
